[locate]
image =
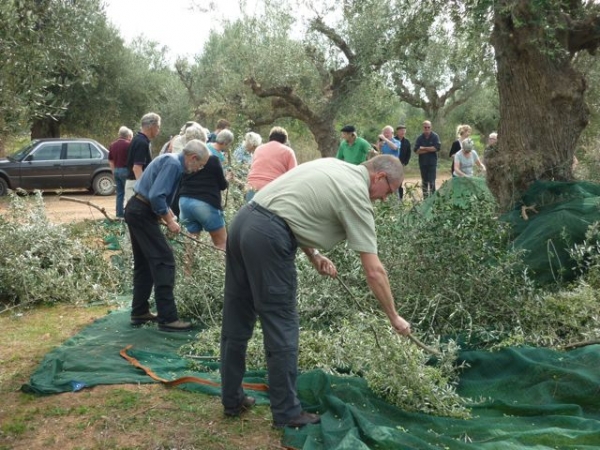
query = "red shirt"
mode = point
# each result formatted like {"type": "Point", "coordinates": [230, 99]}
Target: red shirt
{"type": "Point", "coordinates": [118, 153]}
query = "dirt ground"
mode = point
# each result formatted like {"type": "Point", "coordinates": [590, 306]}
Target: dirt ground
{"type": "Point", "coordinates": [61, 210]}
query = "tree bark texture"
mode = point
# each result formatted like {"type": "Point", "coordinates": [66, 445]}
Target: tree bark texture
{"type": "Point", "coordinates": [45, 128]}
{"type": "Point", "coordinates": [542, 108]}
{"type": "Point", "coordinates": [286, 103]}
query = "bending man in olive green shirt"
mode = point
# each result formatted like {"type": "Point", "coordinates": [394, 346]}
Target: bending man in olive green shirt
{"type": "Point", "coordinates": [316, 205]}
{"type": "Point", "coordinates": [353, 149]}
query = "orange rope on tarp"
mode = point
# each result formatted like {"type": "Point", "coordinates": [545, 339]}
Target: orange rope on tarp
{"type": "Point", "coordinates": [189, 379]}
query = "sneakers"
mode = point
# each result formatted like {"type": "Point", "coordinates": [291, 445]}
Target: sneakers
{"type": "Point", "coordinates": [136, 321]}
{"type": "Point", "coordinates": [178, 325]}
{"type": "Point", "coordinates": [246, 404]}
{"type": "Point", "coordinates": [304, 418]}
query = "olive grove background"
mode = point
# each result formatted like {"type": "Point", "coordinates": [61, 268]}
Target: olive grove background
{"type": "Point", "coordinates": [525, 69]}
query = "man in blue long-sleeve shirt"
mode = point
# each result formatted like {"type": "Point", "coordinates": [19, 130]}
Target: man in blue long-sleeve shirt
{"type": "Point", "coordinates": [427, 147]}
{"type": "Point", "coordinates": [153, 260]}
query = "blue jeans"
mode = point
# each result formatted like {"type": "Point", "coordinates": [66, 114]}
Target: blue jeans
{"type": "Point", "coordinates": [120, 175]}
{"type": "Point", "coordinates": [249, 195]}
{"type": "Point", "coordinates": [197, 215]}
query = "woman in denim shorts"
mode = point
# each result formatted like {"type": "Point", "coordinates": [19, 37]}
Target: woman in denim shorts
{"type": "Point", "coordinates": [200, 202]}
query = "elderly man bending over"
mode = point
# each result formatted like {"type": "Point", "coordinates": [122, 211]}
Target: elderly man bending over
{"type": "Point", "coordinates": [153, 260]}
{"type": "Point", "coordinates": [315, 205]}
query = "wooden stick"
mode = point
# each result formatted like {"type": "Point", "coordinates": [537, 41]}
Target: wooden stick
{"type": "Point", "coordinates": [420, 344]}
{"type": "Point", "coordinates": [415, 340]}
{"type": "Point", "coordinates": [580, 344]}
{"type": "Point", "coordinates": [197, 241]}
{"type": "Point", "coordinates": [86, 202]}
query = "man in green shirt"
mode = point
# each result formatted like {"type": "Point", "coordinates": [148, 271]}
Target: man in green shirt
{"type": "Point", "coordinates": [316, 205]}
{"type": "Point", "coordinates": [353, 149]}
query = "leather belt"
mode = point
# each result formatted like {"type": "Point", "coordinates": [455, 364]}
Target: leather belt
{"type": "Point", "coordinates": [265, 212]}
{"type": "Point", "coordinates": [142, 199]}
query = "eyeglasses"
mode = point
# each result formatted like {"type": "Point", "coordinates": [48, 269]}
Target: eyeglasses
{"type": "Point", "coordinates": [389, 185]}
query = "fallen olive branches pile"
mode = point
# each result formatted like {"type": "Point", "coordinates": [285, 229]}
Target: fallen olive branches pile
{"type": "Point", "coordinates": [452, 271]}
{"type": "Point", "coordinates": [44, 263]}
{"type": "Point", "coordinates": [455, 277]}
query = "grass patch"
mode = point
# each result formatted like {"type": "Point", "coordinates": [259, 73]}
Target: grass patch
{"type": "Point", "coordinates": [107, 417]}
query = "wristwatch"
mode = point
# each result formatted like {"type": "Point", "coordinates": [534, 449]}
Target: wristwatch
{"type": "Point", "coordinates": [314, 253]}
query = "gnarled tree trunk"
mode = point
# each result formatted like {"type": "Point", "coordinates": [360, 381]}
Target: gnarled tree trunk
{"type": "Point", "coordinates": [325, 135]}
{"type": "Point", "coordinates": [45, 128]}
{"type": "Point", "coordinates": [542, 106]}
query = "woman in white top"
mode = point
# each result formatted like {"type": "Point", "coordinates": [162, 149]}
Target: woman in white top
{"type": "Point", "coordinates": [465, 159]}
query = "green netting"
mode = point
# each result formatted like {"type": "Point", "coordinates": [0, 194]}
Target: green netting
{"type": "Point", "coordinates": [92, 358]}
{"type": "Point", "coordinates": [459, 192]}
{"type": "Point", "coordinates": [564, 212]}
{"type": "Point", "coordinates": [533, 398]}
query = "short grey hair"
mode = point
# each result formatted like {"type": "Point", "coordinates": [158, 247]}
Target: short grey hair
{"type": "Point", "coordinates": [195, 132]}
{"type": "Point", "coordinates": [493, 136]}
{"type": "Point", "coordinates": [196, 148]}
{"type": "Point", "coordinates": [224, 137]}
{"type": "Point", "coordinates": [389, 164]}
{"type": "Point", "coordinates": [150, 119]}
{"type": "Point", "coordinates": [189, 123]}
{"type": "Point", "coordinates": [125, 133]}
{"type": "Point", "coordinates": [252, 139]}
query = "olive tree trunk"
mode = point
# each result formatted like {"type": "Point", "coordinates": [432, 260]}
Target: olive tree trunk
{"type": "Point", "coordinates": [45, 128]}
{"type": "Point", "coordinates": [542, 106]}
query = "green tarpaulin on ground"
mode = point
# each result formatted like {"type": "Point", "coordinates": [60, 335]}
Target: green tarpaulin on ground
{"type": "Point", "coordinates": [533, 398]}
{"type": "Point", "coordinates": [563, 212]}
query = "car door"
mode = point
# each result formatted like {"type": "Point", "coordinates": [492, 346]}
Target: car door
{"type": "Point", "coordinates": [42, 168]}
{"type": "Point", "coordinates": [81, 159]}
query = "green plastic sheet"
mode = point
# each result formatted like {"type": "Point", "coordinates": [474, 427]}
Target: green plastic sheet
{"type": "Point", "coordinates": [523, 398]}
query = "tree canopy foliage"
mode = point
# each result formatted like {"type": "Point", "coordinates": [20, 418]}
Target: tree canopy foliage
{"type": "Point", "coordinates": [66, 69]}
{"type": "Point", "coordinates": [508, 65]}
{"type": "Point", "coordinates": [327, 63]}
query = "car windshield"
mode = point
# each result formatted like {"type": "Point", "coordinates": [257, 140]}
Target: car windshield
{"type": "Point", "coordinates": [21, 154]}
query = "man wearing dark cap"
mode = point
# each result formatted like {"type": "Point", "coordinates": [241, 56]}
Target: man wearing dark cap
{"type": "Point", "coordinates": [353, 149]}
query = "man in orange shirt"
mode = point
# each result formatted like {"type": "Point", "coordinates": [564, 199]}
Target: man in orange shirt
{"type": "Point", "coordinates": [270, 160]}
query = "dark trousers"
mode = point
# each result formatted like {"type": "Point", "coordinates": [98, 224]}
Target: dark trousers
{"type": "Point", "coordinates": [428, 174]}
{"type": "Point", "coordinates": [153, 262]}
{"type": "Point", "coordinates": [260, 281]}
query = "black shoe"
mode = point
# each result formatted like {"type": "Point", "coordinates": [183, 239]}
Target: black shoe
{"type": "Point", "coordinates": [136, 321]}
{"type": "Point", "coordinates": [246, 404]}
{"type": "Point", "coordinates": [178, 325]}
{"type": "Point", "coordinates": [304, 418]}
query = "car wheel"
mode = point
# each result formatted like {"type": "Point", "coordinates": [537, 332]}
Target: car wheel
{"type": "Point", "coordinates": [3, 187]}
{"type": "Point", "coordinates": [104, 184]}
